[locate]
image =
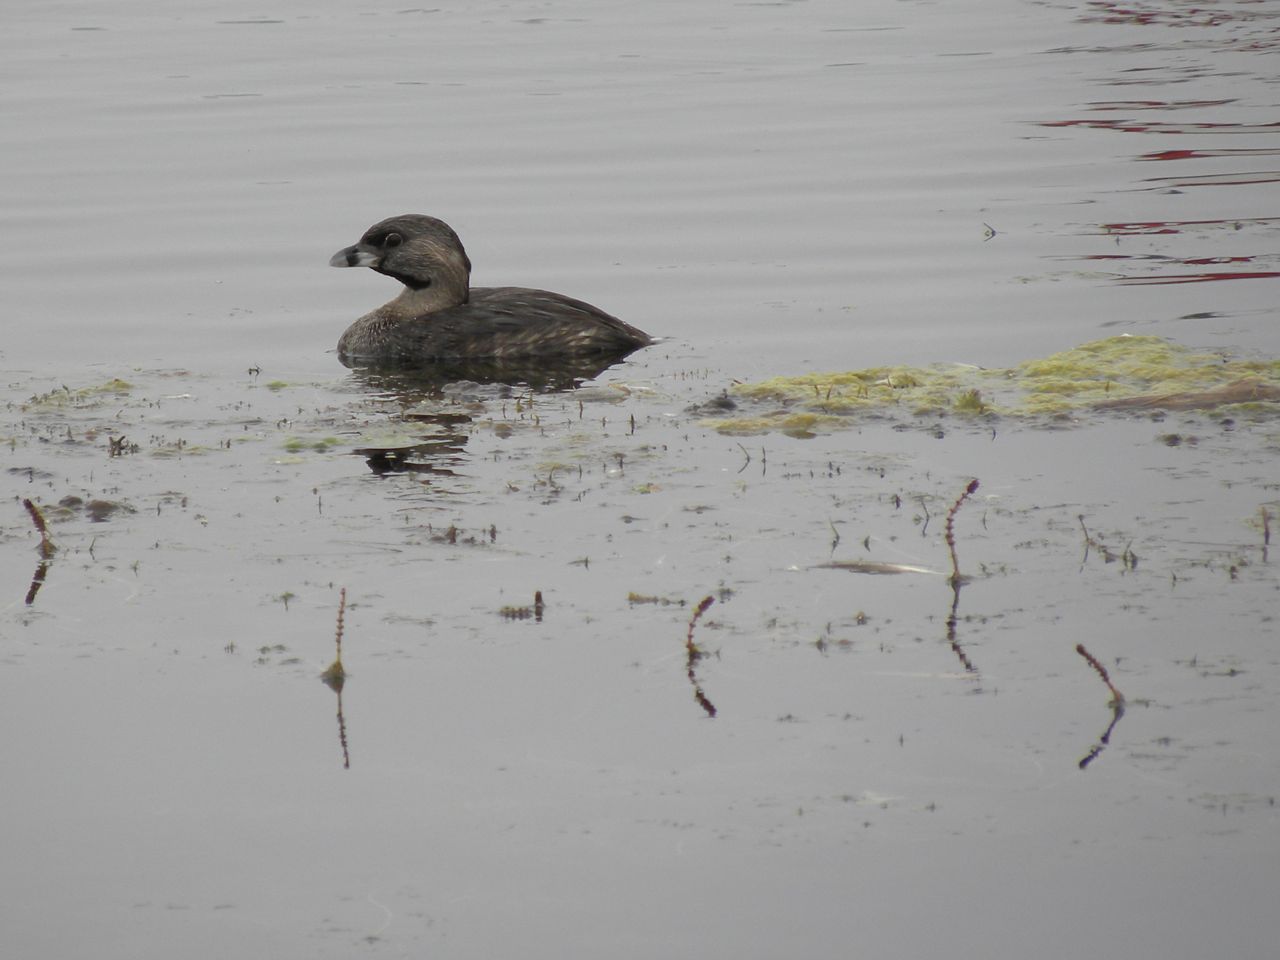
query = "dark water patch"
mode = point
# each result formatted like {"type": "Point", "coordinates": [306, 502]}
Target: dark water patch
{"type": "Point", "coordinates": [1157, 104]}
{"type": "Point", "coordinates": [1168, 13]}
{"type": "Point", "coordinates": [1156, 266]}
{"type": "Point", "coordinates": [1160, 227]}
{"type": "Point", "coordinates": [1165, 155]}
{"type": "Point", "coordinates": [1182, 46]}
{"type": "Point", "coordinates": [1159, 127]}
{"type": "Point", "coordinates": [1215, 180]}
{"type": "Point", "coordinates": [1209, 277]}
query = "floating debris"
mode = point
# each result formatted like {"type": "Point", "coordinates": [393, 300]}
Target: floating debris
{"type": "Point", "coordinates": [873, 567]}
{"type": "Point", "coordinates": [525, 613]}
{"type": "Point", "coordinates": [635, 598]}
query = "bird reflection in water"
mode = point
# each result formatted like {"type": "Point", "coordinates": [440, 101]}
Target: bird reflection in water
{"type": "Point", "coordinates": [429, 393]}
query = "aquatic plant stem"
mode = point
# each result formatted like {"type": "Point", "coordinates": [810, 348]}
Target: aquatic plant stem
{"type": "Point", "coordinates": [47, 548]}
{"type": "Point", "coordinates": [336, 675]}
{"type": "Point", "coordinates": [950, 533]}
{"type": "Point", "coordinates": [1118, 697]}
{"type": "Point", "coordinates": [694, 655]}
{"type": "Point", "coordinates": [342, 609]}
{"type": "Point", "coordinates": [698, 611]}
{"type": "Point", "coordinates": [1117, 707]}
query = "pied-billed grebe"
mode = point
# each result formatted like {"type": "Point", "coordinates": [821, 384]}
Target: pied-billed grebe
{"type": "Point", "coordinates": [438, 316]}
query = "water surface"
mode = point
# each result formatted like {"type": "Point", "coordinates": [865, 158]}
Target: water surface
{"type": "Point", "coordinates": [774, 189]}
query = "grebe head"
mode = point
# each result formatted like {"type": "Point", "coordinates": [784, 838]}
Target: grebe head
{"type": "Point", "coordinates": [421, 252]}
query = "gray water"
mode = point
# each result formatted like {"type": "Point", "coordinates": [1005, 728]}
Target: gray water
{"type": "Point", "coordinates": [772, 189]}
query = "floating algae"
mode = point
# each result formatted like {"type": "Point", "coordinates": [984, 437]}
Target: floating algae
{"type": "Point", "coordinates": [91, 396]}
{"type": "Point", "coordinates": [319, 444]}
{"type": "Point", "coordinates": [1118, 373]}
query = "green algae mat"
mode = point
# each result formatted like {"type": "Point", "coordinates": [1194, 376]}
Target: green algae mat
{"type": "Point", "coordinates": [1118, 373]}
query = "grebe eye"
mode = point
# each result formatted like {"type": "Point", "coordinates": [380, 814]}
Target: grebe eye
{"type": "Point", "coordinates": [393, 240]}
